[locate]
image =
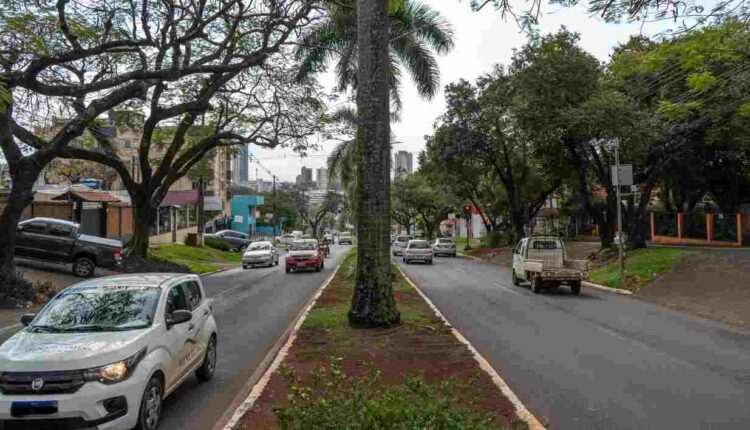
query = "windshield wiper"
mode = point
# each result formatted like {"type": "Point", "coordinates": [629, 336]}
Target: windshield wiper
{"type": "Point", "coordinates": [93, 327]}
{"type": "Point", "coordinates": [43, 329]}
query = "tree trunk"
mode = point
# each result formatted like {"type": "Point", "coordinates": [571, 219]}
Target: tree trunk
{"type": "Point", "coordinates": [144, 215]}
{"type": "Point", "coordinates": [21, 195]}
{"type": "Point", "coordinates": [373, 304]}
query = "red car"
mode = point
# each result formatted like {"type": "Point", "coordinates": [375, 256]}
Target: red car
{"type": "Point", "coordinates": [305, 254]}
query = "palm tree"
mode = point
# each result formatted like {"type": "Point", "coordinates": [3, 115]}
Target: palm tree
{"type": "Point", "coordinates": [416, 33]}
{"type": "Point", "coordinates": [370, 62]}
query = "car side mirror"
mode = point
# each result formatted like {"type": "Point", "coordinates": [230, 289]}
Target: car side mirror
{"type": "Point", "coordinates": [178, 317]}
{"type": "Point", "coordinates": [26, 319]}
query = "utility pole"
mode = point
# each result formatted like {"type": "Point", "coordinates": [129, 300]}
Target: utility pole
{"type": "Point", "coordinates": [273, 206]}
{"type": "Point", "coordinates": [200, 210]}
{"type": "Point", "coordinates": [619, 209]}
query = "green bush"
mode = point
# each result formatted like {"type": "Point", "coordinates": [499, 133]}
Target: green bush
{"type": "Point", "coordinates": [330, 400]}
{"type": "Point", "coordinates": [215, 243]}
{"type": "Point", "coordinates": [495, 239]}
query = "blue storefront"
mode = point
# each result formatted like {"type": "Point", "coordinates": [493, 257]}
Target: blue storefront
{"type": "Point", "coordinates": [243, 212]}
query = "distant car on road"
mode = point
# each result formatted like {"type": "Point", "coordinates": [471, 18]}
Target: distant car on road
{"type": "Point", "coordinates": [61, 241]}
{"type": "Point", "coordinates": [260, 253]}
{"type": "Point", "coordinates": [106, 352]}
{"type": "Point", "coordinates": [444, 246]}
{"type": "Point", "coordinates": [345, 239]}
{"type": "Point", "coordinates": [418, 250]}
{"type": "Point", "coordinates": [305, 254]}
{"type": "Point", "coordinates": [542, 261]}
{"type": "Point", "coordinates": [287, 239]}
{"type": "Point", "coordinates": [236, 240]}
{"type": "Point", "coordinates": [400, 244]}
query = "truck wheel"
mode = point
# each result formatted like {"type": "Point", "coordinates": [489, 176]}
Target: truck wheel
{"type": "Point", "coordinates": [575, 287]}
{"type": "Point", "coordinates": [516, 282]}
{"type": "Point", "coordinates": [84, 267]}
{"type": "Point", "coordinates": [536, 285]}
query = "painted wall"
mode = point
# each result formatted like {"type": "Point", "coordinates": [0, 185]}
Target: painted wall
{"type": "Point", "coordinates": [243, 212]}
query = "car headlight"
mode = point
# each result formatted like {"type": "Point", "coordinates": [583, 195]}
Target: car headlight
{"type": "Point", "coordinates": [115, 372]}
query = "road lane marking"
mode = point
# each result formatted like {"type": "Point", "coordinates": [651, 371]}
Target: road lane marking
{"type": "Point", "coordinates": [10, 327]}
{"type": "Point", "coordinates": [235, 288]}
{"type": "Point", "coordinates": [259, 386]}
{"type": "Point", "coordinates": [504, 288]}
{"type": "Point", "coordinates": [485, 365]}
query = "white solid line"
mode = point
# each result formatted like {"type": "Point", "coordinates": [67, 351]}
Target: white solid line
{"type": "Point", "coordinates": [504, 288]}
{"type": "Point", "coordinates": [263, 381]}
{"type": "Point", "coordinates": [607, 289]}
{"type": "Point", "coordinates": [10, 327]}
{"type": "Point", "coordinates": [521, 410]}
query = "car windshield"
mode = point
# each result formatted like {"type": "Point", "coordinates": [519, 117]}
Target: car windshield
{"type": "Point", "coordinates": [99, 308]}
{"type": "Point", "coordinates": [421, 244]}
{"type": "Point", "coordinates": [403, 239]}
{"type": "Point", "coordinates": [303, 246]}
{"type": "Point", "coordinates": [260, 247]}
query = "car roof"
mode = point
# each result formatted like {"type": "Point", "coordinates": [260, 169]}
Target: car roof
{"type": "Point", "coordinates": [261, 242]}
{"type": "Point", "coordinates": [417, 240]}
{"type": "Point", "coordinates": [156, 280]}
{"type": "Point", "coordinates": [50, 220]}
{"type": "Point", "coordinates": [305, 240]}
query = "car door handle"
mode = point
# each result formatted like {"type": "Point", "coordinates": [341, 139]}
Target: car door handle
{"type": "Point", "coordinates": [191, 327]}
{"type": "Point", "coordinates": [205, 312]}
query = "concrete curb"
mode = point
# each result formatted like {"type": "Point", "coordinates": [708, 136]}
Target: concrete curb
{"type": "Point", "coordinates": [485, 365]}
{"type": "Point", "coordinates": [471, 257]}
{"type": "Point", "coordinates": [257, 382]}
{"type": "Point", "coordinates": [218, 271]}
{"type": "Point", "coordinates": [607, 289]}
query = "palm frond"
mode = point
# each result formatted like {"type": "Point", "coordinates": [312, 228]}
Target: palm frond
{"type": "Point", "coordinates": [420, 63]}
{"type": "Point", "coordinates": [342, 162]}
{"type": "Point", "coordinates": [425, 24]}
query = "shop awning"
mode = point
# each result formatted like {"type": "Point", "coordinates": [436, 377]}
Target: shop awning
{"type": "Point", "coordinates": [88, 196]}
{"type": "Point", "coordinates": [179, 198]}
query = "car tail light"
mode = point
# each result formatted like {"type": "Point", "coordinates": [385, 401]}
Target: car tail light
{"type": "Point", "coordinates": [118, 254]}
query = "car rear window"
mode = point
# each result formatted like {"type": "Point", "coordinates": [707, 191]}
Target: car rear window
{"type": "Point", "coordinates": [445, 241]}
{"type": "Point", "coordinates": [421, 244]}
{"type": "Point", "coordinates": [544, 244]}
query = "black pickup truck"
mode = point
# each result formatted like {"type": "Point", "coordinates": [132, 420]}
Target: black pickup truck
{"type": "Point", "coordinates": [60, 241]}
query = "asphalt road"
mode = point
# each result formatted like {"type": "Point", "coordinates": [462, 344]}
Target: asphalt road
{"type": "Point", "coordinates": [598, 360]}
{"type": "Point", "coordinates": [252, 308]}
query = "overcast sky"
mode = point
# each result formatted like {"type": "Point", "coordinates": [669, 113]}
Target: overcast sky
{"type": "Point", "coordinates": [482, 39]}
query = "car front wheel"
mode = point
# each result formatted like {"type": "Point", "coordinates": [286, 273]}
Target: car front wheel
{"type": "Point", "coordinates": [84, 267]}
{"type": "Point", "coordinates": [150, 411]}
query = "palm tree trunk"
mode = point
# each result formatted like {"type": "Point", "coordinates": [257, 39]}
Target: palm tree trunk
{"type": "Point", "coordinates": [373, 304]}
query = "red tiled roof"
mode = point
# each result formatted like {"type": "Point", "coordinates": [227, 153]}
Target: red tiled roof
{"type": "Point", "coordinates": [179, 198]}
{"type": "Point", "coordinates": [88, 196]}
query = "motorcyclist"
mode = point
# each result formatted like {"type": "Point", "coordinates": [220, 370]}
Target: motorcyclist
{"type": "Point", "coordinates": [326, 248]}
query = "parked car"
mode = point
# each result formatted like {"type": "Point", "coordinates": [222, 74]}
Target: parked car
{"type": "Point", "coordinates": [236, 240]}
{"type": "Point", "coordinates": [345, 239]}
{"type": "Point", "coordinates": [105, 353]}
{"type": "Point", "coordinates": [542, 261]}
{"type": "Point", "coordinates": [305, 254]}
{"type": "Point", "coordinates": [418, 250]}
{"type": "Point", "coordinates": [260, 253]}
{"type": "Point", "coordinates": [399, 244]}
{"type": "Point", "coordinates": [61, 241]}
{"type": "Point", "coordinates": [444, 246]}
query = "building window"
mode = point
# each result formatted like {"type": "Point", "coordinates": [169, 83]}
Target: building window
{"type": "Point", "coordinates": [126, 143]}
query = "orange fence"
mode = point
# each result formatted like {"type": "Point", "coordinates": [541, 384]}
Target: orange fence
{"type": "Point", "coordinates": [696, 229]}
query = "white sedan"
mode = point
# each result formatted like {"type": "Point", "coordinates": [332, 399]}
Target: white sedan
{"type": "Point", "coordinates": [105, 353]}
{"type": "Point", "coordinates": [418, 250]}
{"type": "Point", "coordinates": [260, 254]}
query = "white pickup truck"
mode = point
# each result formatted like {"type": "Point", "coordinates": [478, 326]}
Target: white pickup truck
{"type": "Point", "coordinates": [541, 260]}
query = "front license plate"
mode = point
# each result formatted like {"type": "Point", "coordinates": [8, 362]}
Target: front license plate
{"type": "Point", "coordinates": [39, 407]}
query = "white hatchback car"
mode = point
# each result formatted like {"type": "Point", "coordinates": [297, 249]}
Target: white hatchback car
{"type": "Point", "coordinates": [106, 352]}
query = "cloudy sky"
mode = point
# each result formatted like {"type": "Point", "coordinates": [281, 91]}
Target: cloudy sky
{"type": "Point", "coordinates": [482, 39]}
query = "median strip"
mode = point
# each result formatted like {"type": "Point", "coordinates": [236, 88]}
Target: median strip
{"type": "Point", "coordinates": [328, 373]}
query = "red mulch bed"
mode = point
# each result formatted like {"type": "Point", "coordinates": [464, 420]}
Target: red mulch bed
{"type": "Point", "coordinates": [422, 344]}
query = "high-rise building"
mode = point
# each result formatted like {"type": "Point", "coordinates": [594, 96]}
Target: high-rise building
{"type": "Point", "coordinates": [321, 177]}
{"type": "Point", "coordinates": [402, 163]}
{"type": "Point", "coordinates": [306, 176]}
{"type": "Point", "coordinates": [243, 156]}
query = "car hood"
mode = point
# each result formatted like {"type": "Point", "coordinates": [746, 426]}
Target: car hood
{"type": "Point", "coordinates": [27, 351]}
{"type": "Point", "coordinates": [100, 241]}
{"type": "Point", "coordinates": [261, 253]}
{"type": "Point", "coordinates": [303, 253]}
